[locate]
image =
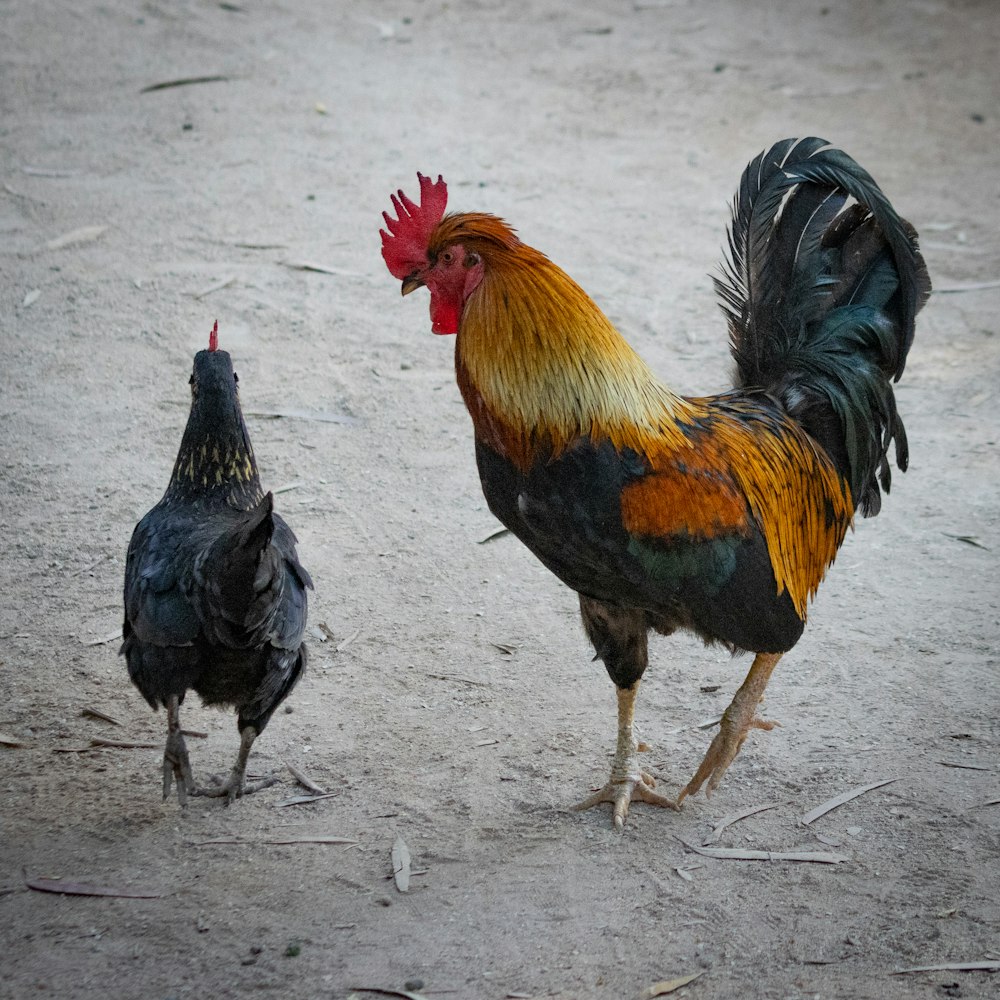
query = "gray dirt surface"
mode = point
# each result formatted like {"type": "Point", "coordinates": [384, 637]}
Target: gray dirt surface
{"type": "Point", "coordinates": [612, 135]}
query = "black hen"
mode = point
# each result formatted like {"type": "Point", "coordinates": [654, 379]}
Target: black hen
{"type": "Point", "coordinates": [215, 596]}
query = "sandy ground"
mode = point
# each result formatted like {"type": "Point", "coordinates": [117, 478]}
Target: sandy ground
{"type": "Point", "coordinates": [453, 704]}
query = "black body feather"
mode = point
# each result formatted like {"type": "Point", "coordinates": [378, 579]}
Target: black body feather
{"type": "Point", "coordinates": [215, 597]}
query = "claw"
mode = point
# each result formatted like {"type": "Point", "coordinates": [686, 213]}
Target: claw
{"type": "Point", "coordinates": [235, 786]}
{"type": "Point", "coordinates": [737, 721]}
{"type": "Point", "coordinates": [622, 793]}
{"type": "Point", "coordinates": [721, 753]}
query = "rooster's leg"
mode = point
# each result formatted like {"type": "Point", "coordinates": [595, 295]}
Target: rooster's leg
{"type": "Point", "coordinates": [236, 785]}
{"type": "Point", "coordinates": [176, 765]}
{"type": "Point", "coordinates": [628, 780]}
{"type": "Point", "coordinates": [738, 720]}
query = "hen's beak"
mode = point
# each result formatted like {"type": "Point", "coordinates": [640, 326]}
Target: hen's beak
{"type": "Point", "coordinates": [412, 283]}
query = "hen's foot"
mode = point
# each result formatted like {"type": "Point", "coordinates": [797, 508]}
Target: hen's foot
{"type": "Point", "coordinates": [177, 768]}
{"type": "Point", "coordinates": [623, 791]}
{"type": "Point", "coordinates": [234, 787]}
{"type": "Point", "coordinates": [176, 763]}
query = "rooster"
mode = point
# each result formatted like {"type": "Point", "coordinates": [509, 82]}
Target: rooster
{"type": "Point", "coordinates": [215, 596]}
{"type": "Point", "coordinates": [717, 514]}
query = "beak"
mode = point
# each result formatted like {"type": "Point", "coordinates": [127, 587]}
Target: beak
{"type": "Point", "coordinates": [412, 283]}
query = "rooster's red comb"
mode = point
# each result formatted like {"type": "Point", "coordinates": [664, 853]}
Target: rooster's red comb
{"type": "Point", "coordinates": [213, 337]}
{"type": "Point", "coordinates": [404, 246]}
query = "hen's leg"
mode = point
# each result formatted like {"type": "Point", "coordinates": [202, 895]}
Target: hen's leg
{"type": "Point", "coordinates": [628, 780]}
{"type": "Point", "coordinates": [620, 636]}
{"type": "Point", "coordinates": [737, 721]}
{"type": "Point", "coordinates": [176, 765]}
{"type": "Point", "coordinates": [236, 784]}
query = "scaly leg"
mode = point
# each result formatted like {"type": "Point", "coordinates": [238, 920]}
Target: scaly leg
{"type": "Point", "coordinates": [737, 721]}
{"type": "Point", "coordinates": [235, 785]}
{"type": "Point", "coordinates": [628, 780]}
{"type": "Point", "coordinates": [176, 764]}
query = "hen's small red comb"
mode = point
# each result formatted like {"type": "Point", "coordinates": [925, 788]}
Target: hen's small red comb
{"type": "Point", "coordinates": [213, 337]}
{"type": "Point", "coordinates": [404, 246]}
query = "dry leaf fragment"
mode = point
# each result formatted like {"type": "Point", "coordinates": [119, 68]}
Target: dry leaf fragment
{"type": "Point", "coordinates": [293, 413]}
{"type": "Point", "coordinates": [216, 286]}
{"type": "Point", "coordinates": [713, 837]}
{"type": "Point", "coordinates": [31, 298]}
{"type": "Point", "coordinates": [302, 800]}
{"type": "Point", "coordinates": [326, 630]}
{"type": "Point", "coordinates": [971, 286]}
{"type": "Point", "coordinates": [407, 994]}
{"type": "Point", "coordinates": [93, 713]}
{"type": "Point", "coordinates": [494, 535]}
{"type": "Point", "coordinates": [839, 800]}
{"type": "Point", "coordinates": [48, 172]}
{"type": "Point", "coordinates": [322, 269]}
{"type": "Point", "coordinates": [305, 781]}
{"type": "Point", "coordinates": [732, 854]}
{"type": "Point", "coordinates": [343, 645]}
{"type": "Point", "coordinates": [110, 637]}
{"type": "Point", "coordinates": [401, 864]}
{"type": "Point", "coordinates": [291, 841]}
{"type": "Point", "coordinates": [988, 966]}
{"type": "Point", "coordinates": [85, 234]}
{"type": "Point", "coordinates": [11, 741]}
{"type": "Point", "coordinates": [661, 989]}
{"type": "Point", "coordinates": [505, 648]}
{"type": "Point", "coordinates": [122, 744]}
{"type": "Point", "coordinates": [968, 539]}
{"type": "Point", "coordinates": [186, 81]}
{"type": "Point", "coordinates": [964, 766]}
{"type": "Point", "coordinates": [68, 888]}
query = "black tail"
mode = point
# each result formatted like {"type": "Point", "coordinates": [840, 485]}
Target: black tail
{"type": "Point", "coordinates": [821, 301]}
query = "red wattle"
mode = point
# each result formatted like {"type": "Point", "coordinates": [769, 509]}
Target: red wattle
{"type": "Point", "coordinates": [444, 316]}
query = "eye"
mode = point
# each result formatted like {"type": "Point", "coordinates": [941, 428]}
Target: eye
{"type": "Point", "coordinates": [471, 260]}
{"type": "Point", "coordinates": [447, 256]}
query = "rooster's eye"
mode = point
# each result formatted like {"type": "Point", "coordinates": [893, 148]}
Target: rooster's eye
{"type": "Point", "coordinates": [447, 256]}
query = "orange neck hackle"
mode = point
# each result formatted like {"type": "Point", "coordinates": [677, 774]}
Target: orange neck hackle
{"type": "Point", "coordinates": [546, 365]}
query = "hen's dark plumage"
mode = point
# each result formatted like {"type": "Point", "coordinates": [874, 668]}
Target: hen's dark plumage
{"type": "Point", "coordinates": [215, 597]}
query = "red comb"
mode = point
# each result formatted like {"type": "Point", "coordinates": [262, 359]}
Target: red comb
{"type": "Point", "coordinates": [213, 337]}
{"type": "Point", "coordinates": [404, 246]}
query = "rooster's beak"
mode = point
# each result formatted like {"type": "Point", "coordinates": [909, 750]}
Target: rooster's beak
{"type": "Point", "coordinates": [412, 283]}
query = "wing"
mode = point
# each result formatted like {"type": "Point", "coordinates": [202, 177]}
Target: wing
{"type": "Point", "coordinates": [248, 587]}
{"type": "Point", "coordinates": [684, 535]}
{"type": "Point", "coordinates": [157, 609]}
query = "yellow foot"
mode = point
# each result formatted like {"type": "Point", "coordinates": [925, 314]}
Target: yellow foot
{"type": "Point", "coordinates": [622, 792]}
{"type": "Point", "coordinates": [733, 730]}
